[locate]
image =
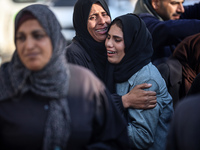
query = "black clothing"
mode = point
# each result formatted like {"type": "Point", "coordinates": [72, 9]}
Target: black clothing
{"type": "Point", "coordinates": [96, 50]}
{"type": "Point", "coordinates": [180, 69]}
{"type": "Point", "coordinates": [167, 34]}
{"type": "Point", "coordinates": [184, 133]}
{"type": "Point", "coordinates": [134, 59]}
{"type": "Point", "coordinates": [58, 107]}
{"type": "Point", "coordinates": [84, 50]}
{"type": "Point", "coordinates": [171, 71]}
{"type": "Point", "coordinates": [94, 120]}
{"type": "Point", "coordinates": [195, 87]}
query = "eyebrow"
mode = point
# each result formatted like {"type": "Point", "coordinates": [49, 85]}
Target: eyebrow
{"type": "Point", "coordinates": [34, 31]}
{"type": "Point", "coordinates": [96, 13]}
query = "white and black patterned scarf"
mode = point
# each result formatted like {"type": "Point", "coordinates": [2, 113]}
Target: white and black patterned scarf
{"type": "Point", "coordinates": [51, 82]}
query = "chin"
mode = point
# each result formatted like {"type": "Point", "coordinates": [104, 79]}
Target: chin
{"type": "Point", "coordinates": [34, 67]}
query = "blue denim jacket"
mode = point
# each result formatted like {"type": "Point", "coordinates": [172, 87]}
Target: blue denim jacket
{"type": "Point", "coordinates": [147, 129]}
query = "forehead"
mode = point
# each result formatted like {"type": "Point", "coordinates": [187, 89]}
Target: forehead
{"type": "Point", "coordinates": [178, 1]}
{"type": "Point", "coordinates": [30, 25]}
{"type": "Point", "coordinates": [96, 8]}
{"type": "Point", "coordinates": [115, 30]}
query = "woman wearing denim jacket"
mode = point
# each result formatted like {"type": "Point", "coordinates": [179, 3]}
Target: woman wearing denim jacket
{"type": "Point", "coordinates": [129, 50]}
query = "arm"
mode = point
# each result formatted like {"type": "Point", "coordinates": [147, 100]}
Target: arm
{"type": "Point", "coordinates": [110, 127]}
{"type": "Point", "coordinates": [142, 124]}
{"type": "Point", "coordinates": [138, 98]}
{"type": "Point", "coordinates": [171, 31]}
{"type": "Point", "coordinates": [191, 12]}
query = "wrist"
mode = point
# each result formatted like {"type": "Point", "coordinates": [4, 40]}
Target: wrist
{"type": "Point", "coordinates": [124, 101]}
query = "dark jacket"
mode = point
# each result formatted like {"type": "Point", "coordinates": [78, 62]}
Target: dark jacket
{"type": "Point", "coordinates": [167, 34]}
{"type": "Point", "coordinates": [184, 133]}
{"type": "Point", "coordinates": [95, 122]}
{"type": "Point", "coordinates": [76, 54]}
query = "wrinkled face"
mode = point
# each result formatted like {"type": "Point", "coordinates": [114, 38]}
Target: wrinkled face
{"type": "Point", "coordinates": [34, 46]}
{"type": "Point", "coordinates": [168, 9]}
{"type": "Point", "coordinates": [115, 44]}
{"type": "Point", "coordinates": [98, 22]}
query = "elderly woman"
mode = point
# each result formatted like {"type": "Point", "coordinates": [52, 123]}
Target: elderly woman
{"type": "Point", "coordinates": [48, 104]}
{"type": "Point", "coordinates": [91, 19]}
{"type": "Point", "coordinates": [129, 49]}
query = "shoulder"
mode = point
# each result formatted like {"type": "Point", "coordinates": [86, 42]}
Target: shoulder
{"type": "Point", "coordinates": [83, 79]}
{"type": "Point", "coordinates": [74, 47]}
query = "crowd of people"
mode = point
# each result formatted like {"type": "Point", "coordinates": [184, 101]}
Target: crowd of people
{"type": "Point", "coordinates": [127, 83]}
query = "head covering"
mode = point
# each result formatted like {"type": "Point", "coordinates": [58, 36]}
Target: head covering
{"type": "Point", "coordinates": [138, 47]}
{"type": "Point", "coordinates": [25, 17]}
{"type": "Point", "coordinates": [144, 6]}
{"type": "Point", "coordinates": [50, 82]}
{"type": "Point", "coordinates": [96, 50]}
{"type": "Point", "coordinates": [138, 50]}
{"type": "Point", "coordinates": [188, 54]}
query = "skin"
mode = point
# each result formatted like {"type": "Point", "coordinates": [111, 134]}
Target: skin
{"type": "Point", "coordinates": [98, 22]}
{"type": "Point", "coordinates": [168, 9]}
{"type": "Point", "coordinates": [115, 44]}
{"type": "Point", "coordinates": [34, 46]}
{"type": "Point", "coordinates": [142, 99]}
{"type": "Point", "coordinates": [97, 26]}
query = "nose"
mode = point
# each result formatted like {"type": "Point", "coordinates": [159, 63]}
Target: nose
{"type": "Point", "coordinates": [181, 8]}
{"type": "Point", "coordinates": [108, 43]}
{"type": "Point", "coordinates": [101, 19]}
{"type": "Point", "coordinates": [29, 43]}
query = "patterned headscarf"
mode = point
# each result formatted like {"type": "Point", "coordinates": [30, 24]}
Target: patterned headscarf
{"type": "Point", "coordinates": [50, 82]}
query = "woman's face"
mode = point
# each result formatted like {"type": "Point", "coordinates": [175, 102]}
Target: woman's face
{"type": "Point", "coordinates": [34, 46]}
{"type": "Point", "coordinates": [98, 22]}
{"type": "Point", "coordinates": [115, 44]}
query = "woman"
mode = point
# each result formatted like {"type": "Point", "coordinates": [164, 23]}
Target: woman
{"type": "Point", "coordinates": [91, 19]}
{"type": "Point", "coordinates": [129, 49]}
{"type": "Point", "coordinates": [46, 103]}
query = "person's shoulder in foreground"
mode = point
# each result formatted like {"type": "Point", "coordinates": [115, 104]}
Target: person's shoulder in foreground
{"type": "Point", "coordinates": [184, 133]}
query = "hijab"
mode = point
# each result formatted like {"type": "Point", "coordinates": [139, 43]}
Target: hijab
{"type": "Point", "coordinates": [51, 82]}
{"type": "Point", "coordinates": [138, 47]}
{"type": "Point", "coordinates": [188, 54]}
{"type": "Point", "coordinates": [138, 50]}
{"type": "Point", "coordinates": [96, 50]}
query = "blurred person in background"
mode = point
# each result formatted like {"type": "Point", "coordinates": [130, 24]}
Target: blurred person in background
{"type": "Point", "coordinates": [169, 22]}
{"type": "Point", "coordinates": [46, 103]}
{"type": "Point", "coordinates": [184, 133]}
{"type": "Point", "coordinates": [180, 70]}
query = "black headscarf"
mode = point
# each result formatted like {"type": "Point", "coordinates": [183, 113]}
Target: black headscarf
{"type": "Point", "coordinates": [138, 49]}
{"type": "Point", "coordinates": [96, 50]}
{"type": "Point", "coordinates": [50, 82]}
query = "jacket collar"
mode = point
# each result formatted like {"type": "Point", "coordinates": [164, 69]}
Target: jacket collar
{"type": "Point", "coordinates": [144, 6]}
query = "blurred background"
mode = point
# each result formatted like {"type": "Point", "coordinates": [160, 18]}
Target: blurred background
{"type": "Point", "coordinates": [63, 9]}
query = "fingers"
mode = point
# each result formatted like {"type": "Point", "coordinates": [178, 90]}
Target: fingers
{"type": "Point", "coordinates": [143, 86]}
{"type": "Point", "coordinates": [151, 106]}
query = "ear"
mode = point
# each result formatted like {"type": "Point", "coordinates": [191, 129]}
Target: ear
{"type": "Point", "coordinates": [155, 4]}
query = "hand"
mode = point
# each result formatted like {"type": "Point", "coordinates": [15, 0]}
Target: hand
{"type": "Point", "coordinates": [140, 99]}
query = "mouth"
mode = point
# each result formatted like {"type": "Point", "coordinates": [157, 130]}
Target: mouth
{"type": "Point", "coordinates": [32, 55]}
{"type": "Point", "coordinates": [176, 16]}
{"type": "Point", "coordinates": [111, 52]}
{"type": "Point", "coordinates": [103, 30]}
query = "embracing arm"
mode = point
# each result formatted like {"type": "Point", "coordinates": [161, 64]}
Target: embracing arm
{"type": "Point", "coordinates": [137, 98]}
{"type": "Point", "coordinates": [171, 31]}
{"type": "Point", "coordinates": [110, 128]}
